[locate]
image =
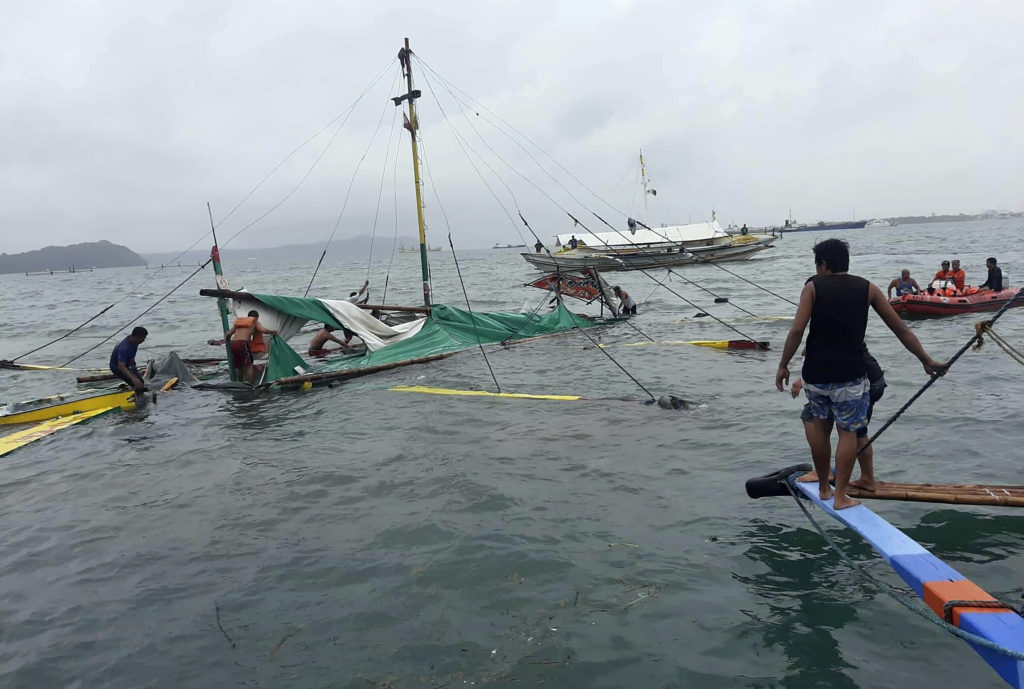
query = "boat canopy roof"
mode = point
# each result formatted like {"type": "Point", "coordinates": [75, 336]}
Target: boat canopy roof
{"type": "Point", "coordinates": [672, 234]}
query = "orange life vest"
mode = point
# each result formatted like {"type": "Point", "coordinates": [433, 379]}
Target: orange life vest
{"type": "Point", "coordinates": [257, 345]}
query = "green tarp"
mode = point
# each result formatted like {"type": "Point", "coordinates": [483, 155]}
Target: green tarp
{"type": "Point", "coordinates": [447, 330]}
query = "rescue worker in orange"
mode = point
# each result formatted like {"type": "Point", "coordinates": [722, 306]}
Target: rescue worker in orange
{"type": "Point", "coordinates": [957, 275]}
{"type": "Point", "coordinates": [944, 274]}
{"type": "Point", "coordinates": [242, 336]}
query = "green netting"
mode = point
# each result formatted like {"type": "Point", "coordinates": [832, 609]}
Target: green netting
{"type": "Point", "coordinates": [447, 330]}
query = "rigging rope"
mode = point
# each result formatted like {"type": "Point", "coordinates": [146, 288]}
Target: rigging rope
{"type": "Point", "coordinates": [105, 309]}
{"type": "Point", "coordinates": [902, 598]}
{"type": "Point", "coordinates": [469, 307]}
{"type": "Point", "coordinates": [394, 241]}
{"type": "Point", "coordinates": [252, 191]}
{"type": "Point", "coordinates": [351, 182]}
{"type": "Point", "coordinates": [550, 198]}
{"type": "Point", "coordinates": [380, 190]}
{"type": "Point", "coordinates": [720, 267]}
{"type": "Point", "coordinates": [985, 327]}
{"type": "Point", "coordinates": [711, 293]}
{"type": "Point", "coordinates": [935, 377]}
{"type": "Point", "coordinates": [153, 306]}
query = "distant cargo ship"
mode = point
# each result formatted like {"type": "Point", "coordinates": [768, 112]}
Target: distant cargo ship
{"type": "Point", "coordinates": [822, 225]}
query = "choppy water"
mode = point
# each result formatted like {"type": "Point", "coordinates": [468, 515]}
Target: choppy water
{"type": "Point", "coordinates": [359, 537]}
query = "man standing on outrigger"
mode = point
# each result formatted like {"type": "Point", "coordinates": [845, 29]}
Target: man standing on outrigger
{"type": "Point", "coordinates": [835, 304]}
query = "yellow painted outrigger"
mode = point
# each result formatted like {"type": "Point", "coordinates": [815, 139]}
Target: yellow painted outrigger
{"type": "Point", "coordinates": [123, 399]}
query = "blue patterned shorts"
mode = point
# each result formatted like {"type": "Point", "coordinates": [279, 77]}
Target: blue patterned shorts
{"type": "Point", "coordinates": [846, 403]}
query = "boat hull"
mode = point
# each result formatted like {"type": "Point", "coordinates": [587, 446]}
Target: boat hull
{"type": "Point", "coordinates": [646, 260]}
{"type": "Point", "coordinates": [824, 226]}
{"type": "Point", "coordinates": [124, 400]}
{"type": "Point", "coordinates": [935, 306]}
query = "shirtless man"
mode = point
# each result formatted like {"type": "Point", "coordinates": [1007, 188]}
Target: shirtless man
{"type": "Point", "coordinates": [322, 337]}
{"type": "Point", "coordinates": [240, 337]}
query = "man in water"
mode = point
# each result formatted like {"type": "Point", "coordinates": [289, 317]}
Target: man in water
{"type": "Point", "coordinates": [322, 337]}
{"type": "Point", "coordinates": [240, 336]}
{"type": "Point", "coordinates": [835, 304]}
{"type": "Point", "coordinates": [995, 276]}
{"type": "Point", "coordinates": [904, 284]}
{"type": "Point", "coordinates": [958, 276]}
{"type": "Point", "coordinates": [122, 359]}
{"type": "Point", "coordinates": [627, 307]}
{"type": "Point", "coordinates": [866, 459]}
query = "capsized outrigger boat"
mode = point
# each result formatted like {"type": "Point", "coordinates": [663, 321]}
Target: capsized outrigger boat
{"type": "Point", "coordinates": [437, 332]}
{"type": "Point", "coordinates": [434, 332]}
{"type": "Point", "coordinates": [997, 629]}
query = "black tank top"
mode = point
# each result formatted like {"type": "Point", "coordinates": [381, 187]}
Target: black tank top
{"type": "Point", "coordinates": [835, 345]}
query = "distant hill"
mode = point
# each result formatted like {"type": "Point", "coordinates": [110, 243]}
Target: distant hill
{"type": "Point", "coordinates": [960, 217]}
{"type": "Point", "coordinates": [102, 254]}
{"type": "Point", "coordinates": [299, 253]}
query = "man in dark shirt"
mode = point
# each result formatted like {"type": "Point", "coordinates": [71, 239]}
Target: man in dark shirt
{"type": "Point", "coordinates": [122, 359]}
{"type": "Point", "coordinates": [995, 276]}
{"type": "Point", "coordinates": [835, 304]}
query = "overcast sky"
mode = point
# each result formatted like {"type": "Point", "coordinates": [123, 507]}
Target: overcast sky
{"type": "Point", "coordinates": [120, 120]}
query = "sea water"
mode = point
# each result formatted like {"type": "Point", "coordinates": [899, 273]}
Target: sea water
{"type": "Point", "coordinates": [355, 536]}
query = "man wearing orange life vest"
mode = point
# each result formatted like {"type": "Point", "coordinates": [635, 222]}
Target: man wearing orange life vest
{"type": "Point", "coordinates": [944, 274]}
{"type": "Point", "coordinates": [958, 276]}
{"type": "Point", "coordinates": [242, 336]}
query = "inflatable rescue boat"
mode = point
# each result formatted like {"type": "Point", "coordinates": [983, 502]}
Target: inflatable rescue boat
{"type": "Point", "coordinates": [939, 301]}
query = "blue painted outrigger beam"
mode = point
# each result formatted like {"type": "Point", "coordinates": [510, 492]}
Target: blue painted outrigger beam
{"type": "Point", "coordinates": [919, 568]}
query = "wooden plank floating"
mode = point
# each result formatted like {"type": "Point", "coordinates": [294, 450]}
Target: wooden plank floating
{"type": "Point", "coordinates": [10, 443]}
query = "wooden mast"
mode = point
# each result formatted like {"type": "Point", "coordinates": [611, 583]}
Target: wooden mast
{"type": "Point", "coordinates": [405, 58]}
{"type": "Point", "coordinates": [222, 284]}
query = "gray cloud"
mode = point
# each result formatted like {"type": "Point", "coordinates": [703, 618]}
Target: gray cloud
{"type": "Point", "coordinates": [121, 119]}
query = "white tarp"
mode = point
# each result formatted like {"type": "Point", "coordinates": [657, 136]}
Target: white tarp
{"type": "Point", "coordinates": [370, 330]}
{"type": "Point", "coordinates": [695, 232]}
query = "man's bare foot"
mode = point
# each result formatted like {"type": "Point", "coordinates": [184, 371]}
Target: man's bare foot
{"type": "Point", "coordinates": [843, 501]}
{"type": "Point", "coordinates": [864, 484]}
{"type": "Point", "coordinates": [825, 494]}
{"type": "Point", "coordinates": [812, 477]}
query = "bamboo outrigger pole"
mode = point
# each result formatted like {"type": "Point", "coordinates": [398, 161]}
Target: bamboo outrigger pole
{"type": "Point", "coordinates": [222, 305]}
{"type": "Point", "coordinates": [405, 59]}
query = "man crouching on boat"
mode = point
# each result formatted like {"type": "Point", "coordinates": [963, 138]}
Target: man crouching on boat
{"type": "Point", "coordinates": [122, 359]}
{"type": "Point", "coordinates": [835, 304]}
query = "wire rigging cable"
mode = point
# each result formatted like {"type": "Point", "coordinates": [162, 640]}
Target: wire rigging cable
{"type": "Point", "coordinates": [351, 182]}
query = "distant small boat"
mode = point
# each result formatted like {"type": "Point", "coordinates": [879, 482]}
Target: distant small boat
{"type": "Point", "coordinates": [509, 246]}
{"type": "Point", "coordinates": [433, 248]}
